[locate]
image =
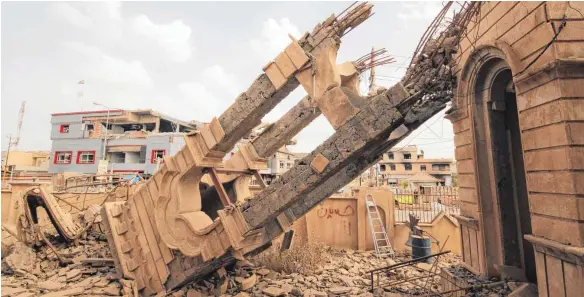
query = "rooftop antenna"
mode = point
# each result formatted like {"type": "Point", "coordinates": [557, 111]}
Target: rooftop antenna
{"type": "Point", "coordinates": [16, 140]}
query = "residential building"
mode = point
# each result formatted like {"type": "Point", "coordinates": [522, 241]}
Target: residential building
{"type": "Point", "coordinates": [25, 166]}
{"type": "Point", "coordinates": [128, 141]}
{"type": "Point", "coordinates": [402, 163]}
{"type": "Point", "coordinates": [23, 160]}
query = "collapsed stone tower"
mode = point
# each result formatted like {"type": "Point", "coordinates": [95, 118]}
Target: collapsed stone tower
{"type": "Point", "coordinates": [196, 214]}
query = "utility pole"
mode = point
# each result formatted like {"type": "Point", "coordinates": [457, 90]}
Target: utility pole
{"type": "Point", "coordinates": [19, 126]}
{"type": "Point", "coordinates": [6, 160]}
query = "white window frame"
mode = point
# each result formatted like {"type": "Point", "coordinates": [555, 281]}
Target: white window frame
{"type": "Point", "coordinates": [86, 154]}
{"type": "Point", "coordinates": [58, 159]}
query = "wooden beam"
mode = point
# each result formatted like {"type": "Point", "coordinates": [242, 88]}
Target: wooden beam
{"type": "Point", "coordinates": [219, 186]}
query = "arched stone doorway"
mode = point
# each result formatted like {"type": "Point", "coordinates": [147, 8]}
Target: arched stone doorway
{"type": "Point", "coordinates": [500, 174]}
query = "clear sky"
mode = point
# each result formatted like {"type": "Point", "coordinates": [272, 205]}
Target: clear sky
{"type": "Point", "coordinates": [188, 60]}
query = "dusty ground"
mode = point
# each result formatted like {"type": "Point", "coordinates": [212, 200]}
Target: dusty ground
{"type": "Point", "coordinates": [306, 270]}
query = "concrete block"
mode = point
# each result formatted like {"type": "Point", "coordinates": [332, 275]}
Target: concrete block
{"type": "Point", "coordinates": [319, 163]}
{"type": "Point", "coordinates": [464, 152]}
{"type": "Point", "coordinates": [560, 206]}
{"type": "Point", "coordinates": [463, 138]}
{"type": "Point", "coordinates": [469, 209]}
{"type": "Point", "coordinates": [285, 65]}
{"type": "Point", "coordinates": [561, 230]}
{"type": "Point", "coordinates": [465, 166]}
{"type": "Point", "coordinates": [337, 107]}
{"type": "Point", "coordinates": [462, 125]}
{"type": "Point", "coordinates": [545, 137]}
{"type": "Point", "coordinates": [275, 75]}
{"type": "Point", "coordinates": [468, 194]}
{"type": "Point", "coordinates": [564, 182]}
{"type": "Point", "coordinates": [533, 41]}
{"type": "Point", "coordinates": [569, 50]}
{"type": "Point", "coordinates": [466, 180]}
{"type": "Point", "coordinates": [550, 159]}
{"type": "Point", "coordinates": [296, 54]}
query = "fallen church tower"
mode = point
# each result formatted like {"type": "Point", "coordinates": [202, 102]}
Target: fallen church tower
{"type": "Point", "coordinates": [512, 71]}
{"type": "Point", "coordinates": [196, 215]}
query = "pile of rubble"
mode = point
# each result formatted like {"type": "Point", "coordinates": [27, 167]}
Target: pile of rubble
{"type": "Point", "coordinates": [344, 273]}
{"type": "Point", "coordinates": [36, 272]}
{"type": "Point", "coordinates": [30, 271]}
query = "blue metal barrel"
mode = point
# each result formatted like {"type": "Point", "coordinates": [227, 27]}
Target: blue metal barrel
{"type": "Point", "coordinates": [421, 247]}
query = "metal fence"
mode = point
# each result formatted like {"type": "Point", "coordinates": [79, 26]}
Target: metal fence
{"type": "Point", "coordinates": [425, 202]}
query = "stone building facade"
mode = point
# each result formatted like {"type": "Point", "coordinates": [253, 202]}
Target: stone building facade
{"type": "Point", "coordinates": [400, 164]}
{"type": "Point", "coordinates": [519, 135]}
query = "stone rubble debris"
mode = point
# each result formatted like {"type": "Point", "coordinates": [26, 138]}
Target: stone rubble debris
{"type": "Point", "coordinates": [341, 273]}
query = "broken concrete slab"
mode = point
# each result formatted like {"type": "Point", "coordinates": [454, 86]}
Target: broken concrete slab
{"type": "Point", "coordinates": [21, 257]}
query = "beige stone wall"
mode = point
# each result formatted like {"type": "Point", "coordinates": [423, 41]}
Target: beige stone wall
{"type": "Point", "coordinates": [550, 99]}
{"type": "Point", "coordinates": [441, 228]}
{"type": "Point", "coordinates": [343, 221]}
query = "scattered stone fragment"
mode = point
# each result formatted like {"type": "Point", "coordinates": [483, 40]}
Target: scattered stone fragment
{"type": "Point", "coordinates": [193, 293]}
{"type": "Point", "coordinates": [69, 292]}
{"type": "Point", "coordinates": [101, 283]}
{"type": "Point", "coordinates": [51, 285]}
{"type": "Point", "coordinates": [273, 291]}
{"type": "Point", "coordinates": [424, 266]}
{"type": "Point", "coordinates": [314, 293]}
{"type": "Point", "coordinates": [263, 272]}
{"type": "Point", "coordinates": [347, 280]}
{"type": "Point", "coordinates": [287, 288]}
{"type": "Point", "coordinates": [339, 290]}
{"type": "Point", "coordinates": [73, 274]}
{"type": "Point", "coordinates": [109, 291]}
{"type": "Point", "coordinates": [247, 283]}
{"type": "Point", "coordinates": [9, 291]}
{"type": "Point", "coordinates": [21, 257]}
